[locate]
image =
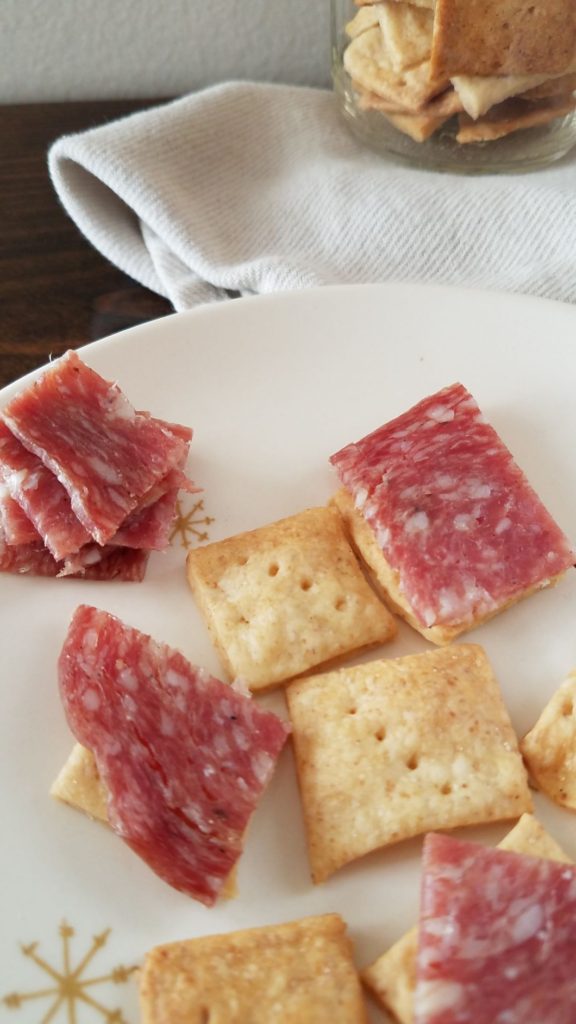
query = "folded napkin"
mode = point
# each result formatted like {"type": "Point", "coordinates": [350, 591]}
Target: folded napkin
{"type": "Point", "coordinates": [257, 188]}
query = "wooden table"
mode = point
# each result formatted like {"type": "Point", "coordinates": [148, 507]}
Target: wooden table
{"type": "Point", "coordinates": [56, 291]}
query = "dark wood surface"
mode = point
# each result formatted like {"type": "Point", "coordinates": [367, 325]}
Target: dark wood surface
{"type": "Point", "coordinates": [56, 291]}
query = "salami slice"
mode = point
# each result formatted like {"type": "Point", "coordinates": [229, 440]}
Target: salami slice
{"type": "Point", "coordinates": [453, 514]}
{"type": "Point", "coordinates": [15, 523]}
{"type": "Point", "coordinates": [95, 563]}
{"type": "Point", "coordinates": [183, 756]}
{"type": "Point", "coordinates": [104, 453]}
{"type": "Point", "coordinates": [149, 527]}
{"type": "Point", "coordinates": [41, 496]}
{"type": "Point", "coordinates": [497, 938]}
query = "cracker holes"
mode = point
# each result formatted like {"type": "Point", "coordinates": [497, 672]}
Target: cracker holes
{"type": "Point", "coordinates": [446, 789]}
{"type": "Point", "coordinates": [412, 762]}
{"type": "Point", "coordinates": [273, 569]}
{"type": "Point", "coordinates": [205, 1015]}
{"type": "Point", "coordinates": [380, 734]}
{"type": "Point", "coordinates": [340, 604]}
{"type": "Point", "coordinates": [242, 561]}
{"type": "Point", "coordinates": [352, 711]}
{"type": "Point", "coordinates": [567, 708]}
{"type": "Point", "coordinates": [305, 583]}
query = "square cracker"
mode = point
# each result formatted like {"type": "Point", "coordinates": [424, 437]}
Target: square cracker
{"type": "Point", "coordinates": [479, 94]}
{"type": "Point", "coordinates": [392, 977]}
{"type": "Point", "coordinates": [392, 749]}
{"type": "Point", "coordinates": [560, 86]}
{"type": "Point", "coordinates": [549, 748]}
{"type": "Point", "coordinates": [365, 18]}
{"type": "Point", "coordinates": [512, 116]}
{"type": "Point", "coordinates": [417, 126]}
{"type": "Point", "coordinates": [284, 598]}
{"type": "Point", "coordinates": [80, 785]}
{"type": "Point", "coordinates": [503, 37]}
{"type": "Point", "coordinates": [442, 106]}
{"type": "Point", "coordinates": [406, 33]}
{"type": "Point", "coordinates": [369, 66]}
{"type": "Point", "coordinates": [296, 973]}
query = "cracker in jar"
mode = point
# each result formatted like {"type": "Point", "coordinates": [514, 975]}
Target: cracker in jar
{"type": "Point", "coordinates": [549, 749]}
{"type": "Point", "coordinates": [365, 18]}
{"type": "Point", "coordinates": [417, 126]}
{"type": "Point", "coordinates": [368, 64]}
{"type": "Point", "coordinates": [512, 116]}
{"type": "Point", "coordinates": [392, 977]}
{"type": "Point", "coordinates": [561, 86]}
{"type": "Point", "coordinates": [296, 973]}
{"type": "Point", "coordinates": [445, 105]}
{"type": "Point", "coordinates": [406, 33]}
{"type": "Point", "coordinates": [285, 598]}
{"type": "Point", "coordinates": [479, 94]}
{"type": "Point", "coordinates": [391, 749]}
{"type": "Point", "coordinates": [503, 37]}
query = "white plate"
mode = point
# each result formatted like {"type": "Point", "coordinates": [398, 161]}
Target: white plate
{"type": "Point", "coordinates": [272, 386]}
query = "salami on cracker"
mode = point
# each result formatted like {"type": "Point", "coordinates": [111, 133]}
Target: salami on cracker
{"type": "Point", "coordinates": [183, 757]}
{"type": "Point", "coordinates": [444, 517]}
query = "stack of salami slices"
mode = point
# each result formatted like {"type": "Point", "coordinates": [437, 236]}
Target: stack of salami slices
{"type": "Point", "coordinates": [88, 485]}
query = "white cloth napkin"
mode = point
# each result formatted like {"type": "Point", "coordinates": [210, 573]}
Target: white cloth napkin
{"type": "Point", "coordinates": [260, 188]}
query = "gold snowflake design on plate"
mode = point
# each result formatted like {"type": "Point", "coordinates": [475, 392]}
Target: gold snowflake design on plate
{"type": "Point", "coordinates": [69, 986]}
{"type": "Point", "coordinates": [188, 525]}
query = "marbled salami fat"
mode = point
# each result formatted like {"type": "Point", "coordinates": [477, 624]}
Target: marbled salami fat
{"type": "Point", "coordinates": [150, 524]}
{"type": "Point", "coordinates": [497, 937]}
{"type": "Point", "coordinates": [183, 756]}
{"type": "Point", "coordinates": [104, 453]}
{"type": "Point", "coordinates": [452, 512]}
{"type": "Point", "coordinates": [41, 496]}
{"type": "Point", "coordinates": [15, 524]}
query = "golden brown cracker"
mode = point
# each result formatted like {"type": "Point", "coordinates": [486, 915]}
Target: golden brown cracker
{"type": "Point", "coordinates": [365, 18]}
{"type": "Point", "coordinates": [406, 33]}
{"type": "Point", "coordinates": [503, 37]}
{"type": "Point", "coordinates": [446, 104]}
{"type": "Point", "coordinates": [561, 86]}
{"type": "Point", "coordinates": [369, 66]}
{"type": "Point", "coordinates": [549, 749]}
{"type": "Point", "coordinates": [418, 127]}
{"type": "Point", "coordinates": [285, 598]}
{"type": "Point", "coordinates": [479, 94]}
{"type": "Point", "coordinates": [80, 785]}
{"type": "Point", "coordinates": [296, 973]}
{"type": "Point", "coordinates": [391, 749]}
{"type": "Point", "coordinates": [512, 116]}
{"type": "Point", "coordinates": [422, 126]}
{"type": "Point", "coordinates": [392, 977]}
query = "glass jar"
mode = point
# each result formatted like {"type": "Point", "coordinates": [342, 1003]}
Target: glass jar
{"type": "Point", "coordinates": [376, 118]}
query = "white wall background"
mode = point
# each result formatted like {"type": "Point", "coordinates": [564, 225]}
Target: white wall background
{"type": "Point", "coordinates": [104, 49]}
